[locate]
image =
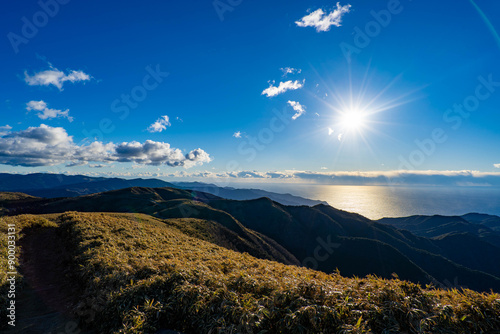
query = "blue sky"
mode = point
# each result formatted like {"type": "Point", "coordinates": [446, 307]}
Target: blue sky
{"type": "Point", "coordinates": [64, 88]}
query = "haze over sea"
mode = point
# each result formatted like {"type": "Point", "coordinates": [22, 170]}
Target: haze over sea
{"type": "Point", "coordinates": [376, 202]}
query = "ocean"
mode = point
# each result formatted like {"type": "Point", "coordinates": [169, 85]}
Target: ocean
{"type": "Point", "coordinates": [376, 202]}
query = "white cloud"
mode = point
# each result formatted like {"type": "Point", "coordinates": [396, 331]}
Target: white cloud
{"type": "Point", "coordinates": [160, 124]}
{"type": "Point", "coordinates": [283, 87]}
{"type": "Point", "coordinates": [48, 146]}
{"type": "Point", "coordinates": [4, 130]}
{"type": "Point", "coordinates": [237, 134]}
{"type": "Point", "coordinates": [46, 113]}
{"type": "Point", "coordinates": [324, 168]}
{"type": "Point", "coordinates": [299, 109]}
{"type": "Point", "coordinates": [158, 153]}
{"type": "Point", "coordinates": [290, 70]}
{"type": "Point", "coordinates": [55, 77]}
{"type": "Point", "coordinates": [497, 165]}
{"type": "Point", "coordinates": [36, 146]}
{"type": "Point", "coordinates": [323, 21]}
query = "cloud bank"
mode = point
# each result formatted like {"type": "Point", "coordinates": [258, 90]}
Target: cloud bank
{"type": "Point", "coordinates": [48, 146]}
{"type": "Point", "coordinates": [384, 178]}
{"type": "Point", "coordinates": [322, 21]}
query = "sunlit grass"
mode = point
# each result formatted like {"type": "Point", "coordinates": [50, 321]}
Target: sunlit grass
{"type": "Point", "coordinates": [138, 274]}
{"type": "Point", "coordinates": [148, 275]}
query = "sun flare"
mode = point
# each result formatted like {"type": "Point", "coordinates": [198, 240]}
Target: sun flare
{"type": "Point", "coordinates": [353, 120]}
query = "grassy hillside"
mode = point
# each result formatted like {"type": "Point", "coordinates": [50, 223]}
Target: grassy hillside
{"type": "Point", "coordinates": [8, 196]}
{"type": "Point", "coordinates": [12, 198]}
{"type": "Point", "coordinates": [168, 203]}
{"type": "Point", "coordinates": [292, 235]}
{"type": "Point", "coordinates": [138, 274]}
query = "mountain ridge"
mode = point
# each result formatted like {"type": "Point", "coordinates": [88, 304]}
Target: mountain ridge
{"type": "Point", "coordinates": [287, 234]}
{"type": "Point", "coordinates": [60, 185]}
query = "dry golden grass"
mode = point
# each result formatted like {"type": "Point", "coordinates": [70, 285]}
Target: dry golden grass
{"type": "Point", "coordinates": [143, 274]}
{"type": "Point", "coordinates": [9, 196]}
{"type": "Point", "coordinates": [153, 276]}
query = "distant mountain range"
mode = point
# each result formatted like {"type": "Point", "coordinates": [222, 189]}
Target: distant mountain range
{"type": "Point", "coordinates": [59, 185]}
{"type": "Point", "coordinates": [246, 194]}
{"type": "Point", "coordinates": [320, 237]}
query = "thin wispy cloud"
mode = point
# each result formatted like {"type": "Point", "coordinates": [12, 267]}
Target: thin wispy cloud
{"type": "Point", "coordinates": [322, 21]}
{"type": "Point", "coordinates": [48, 146]}
{"type": "Point", "coordinates": [161, 124]}
{"type": "Point", "coordinates": [283, 87]}
{"type": "Point", "coordinates": [298, 108]}
{"type": "Point", "coordinates": [46, 113]}
{"type": "Point", "coordinates": [55, 77]}
{"type": "Point", "coordinates": [246, 175]}
{"type": "Point", "coordinates": [290, 70]}
{"type": "Point", "coordinates": [237, 134]}
{"type": "Point", "coordinates": [77, 164]}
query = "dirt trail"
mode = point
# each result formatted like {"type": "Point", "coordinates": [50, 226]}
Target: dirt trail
{"type": "Point", "coordinates": [44, 304]}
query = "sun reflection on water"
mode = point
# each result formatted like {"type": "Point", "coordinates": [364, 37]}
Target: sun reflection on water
{"type": "Point", "coordinates": [376, 202]}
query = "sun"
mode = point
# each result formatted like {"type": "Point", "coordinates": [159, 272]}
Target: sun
{"type": "Point", "coordinates": [352, 120]}
{"type": "Point", "coordinates": [355, 117]}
